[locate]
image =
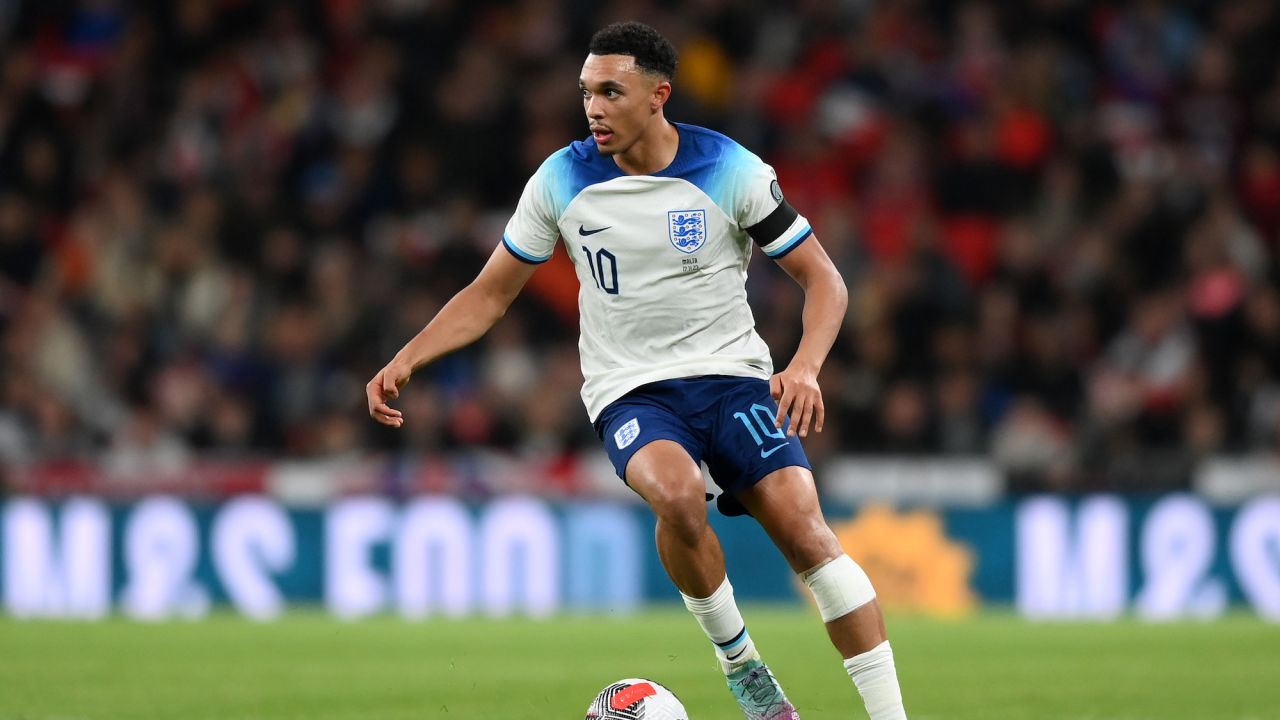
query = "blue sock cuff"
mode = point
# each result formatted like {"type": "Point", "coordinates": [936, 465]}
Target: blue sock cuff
{"type": "Point", "coordinates": [737, 640]}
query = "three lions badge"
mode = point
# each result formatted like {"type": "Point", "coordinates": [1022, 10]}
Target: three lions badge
{"type": "Point", "coordinates": [688, 229]}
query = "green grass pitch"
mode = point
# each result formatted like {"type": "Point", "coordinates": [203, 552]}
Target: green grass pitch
{"type": "Point", "coordinates": [308, 666]}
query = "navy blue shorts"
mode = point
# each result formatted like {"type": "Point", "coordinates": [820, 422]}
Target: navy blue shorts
{"type": "Point", "coordinates": [725, 421]}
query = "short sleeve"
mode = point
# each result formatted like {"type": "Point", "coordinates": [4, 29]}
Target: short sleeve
{"type": "Point", "coordinates": [532, 231]}
{"type": "Point", "coordinates": [765, 214]}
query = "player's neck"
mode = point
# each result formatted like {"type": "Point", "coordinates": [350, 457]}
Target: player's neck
{"type": "Point", "coordinates": [652, 152]}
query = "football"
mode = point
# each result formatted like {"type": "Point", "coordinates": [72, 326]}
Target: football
{"type": "Point", "coordinates": [636, 699]}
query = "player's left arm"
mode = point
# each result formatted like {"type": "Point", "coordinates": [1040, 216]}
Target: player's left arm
{"type": "Point", "coordinates": [825, 298]}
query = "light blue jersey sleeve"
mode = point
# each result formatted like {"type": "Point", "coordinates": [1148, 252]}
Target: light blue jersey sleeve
{"type": "Point", "coordinates": [533, 229]}
{"type": "Point", "coordinates": [760, 209]}
{"type": "Point", "coordinates": [752, 180]}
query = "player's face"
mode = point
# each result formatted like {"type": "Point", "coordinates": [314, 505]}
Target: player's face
{"type": "Point", "coordinates": [619, 99]}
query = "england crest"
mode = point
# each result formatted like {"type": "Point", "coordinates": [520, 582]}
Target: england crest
{"type": "Point", "coordinates": [627, 434]}
{"type": "Point", "coordinates": [688, 229]}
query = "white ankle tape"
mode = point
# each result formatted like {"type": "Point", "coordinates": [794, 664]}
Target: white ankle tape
{"type": "Point", "coordinates": [839, 586]}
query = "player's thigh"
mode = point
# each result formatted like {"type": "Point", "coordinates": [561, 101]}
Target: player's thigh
{"type": "Point", "coordinates": [785, 503]}
{"type": "Point", "coordinates": [654, 450]}
{"type": "Point", "coordinates": [666, 476]}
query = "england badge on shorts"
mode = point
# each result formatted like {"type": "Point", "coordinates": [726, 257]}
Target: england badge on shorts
{"type": "Point", "coordinates": [688, 229]}
{"type": "Point", "coordinates": [627, 434]}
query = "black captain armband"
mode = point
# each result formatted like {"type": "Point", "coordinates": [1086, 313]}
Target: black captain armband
{"type": "Point", "coordinates": [772, 227]}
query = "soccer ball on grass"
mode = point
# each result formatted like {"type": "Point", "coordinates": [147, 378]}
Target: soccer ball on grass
{"type": "Point", "coordinates": [636, 699]}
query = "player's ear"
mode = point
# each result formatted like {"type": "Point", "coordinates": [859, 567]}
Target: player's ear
{"type": "Point", "coordinates": [660, 94]}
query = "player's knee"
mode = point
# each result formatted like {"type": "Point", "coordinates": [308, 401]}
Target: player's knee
{"type": "Point", "coordinates": [666, 489]}
{"type": "Point", "coordinates": [810, 544]}
{"type": "Point", "coordinates": [680, 508]}
{"type": "Point", "coordinates": [686, 527]}
{"type": "Point", "coordinates": [840, 586]}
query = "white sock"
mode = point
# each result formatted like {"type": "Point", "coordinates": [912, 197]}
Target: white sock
{"type": "Point", "coordinates": [720, 620]}
{"type": "Point", "coordinates": [877, 681]}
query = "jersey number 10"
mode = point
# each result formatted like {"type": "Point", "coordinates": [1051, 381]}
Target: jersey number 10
{"type": "Point", "coordinates": [764, 419]}
{"type": "Point", "coordinates": [609, 282]}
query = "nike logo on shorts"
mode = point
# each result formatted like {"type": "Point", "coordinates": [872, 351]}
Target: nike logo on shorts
{"type": "Point", "coordinates": [585, 232]}
{"type": "Point", "coordinates": [766, 453]}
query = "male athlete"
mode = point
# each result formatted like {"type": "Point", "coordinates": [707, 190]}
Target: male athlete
{"type": "Point", "coordinates": [659, 219]}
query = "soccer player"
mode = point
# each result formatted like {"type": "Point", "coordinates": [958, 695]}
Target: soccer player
{"type": "Point", "coordinates": [659, 219]}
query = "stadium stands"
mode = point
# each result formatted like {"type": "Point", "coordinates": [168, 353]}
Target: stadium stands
{"type": "Point", "coordinates": [1058, 220]}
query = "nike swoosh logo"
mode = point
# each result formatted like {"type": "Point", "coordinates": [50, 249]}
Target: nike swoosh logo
{"type": "Point", "coordinates": [736, 655]}
{"type": "Point", "coordinates": [766, 453]}
{"type": "Point", "coordinates": [585, 232]}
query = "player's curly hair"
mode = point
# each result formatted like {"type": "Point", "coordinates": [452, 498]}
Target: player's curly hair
{"type": "Point", "coordinates": [653, 53]}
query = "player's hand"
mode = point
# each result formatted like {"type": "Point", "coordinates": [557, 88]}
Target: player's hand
{"type": "Point", "coordinates": [385, 387]}
{"type": "Point", "coordinates": [798, 396]}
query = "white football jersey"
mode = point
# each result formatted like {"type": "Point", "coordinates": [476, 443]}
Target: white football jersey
{"type": "Point", "coordinates": [662, 258]}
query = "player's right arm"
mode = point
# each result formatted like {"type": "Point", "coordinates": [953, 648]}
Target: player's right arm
{"type": "Point", "coordinates": [462, 321]}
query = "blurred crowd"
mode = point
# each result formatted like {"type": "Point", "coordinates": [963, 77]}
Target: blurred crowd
{"type": "Point", "coordinates": [1058, 220]}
